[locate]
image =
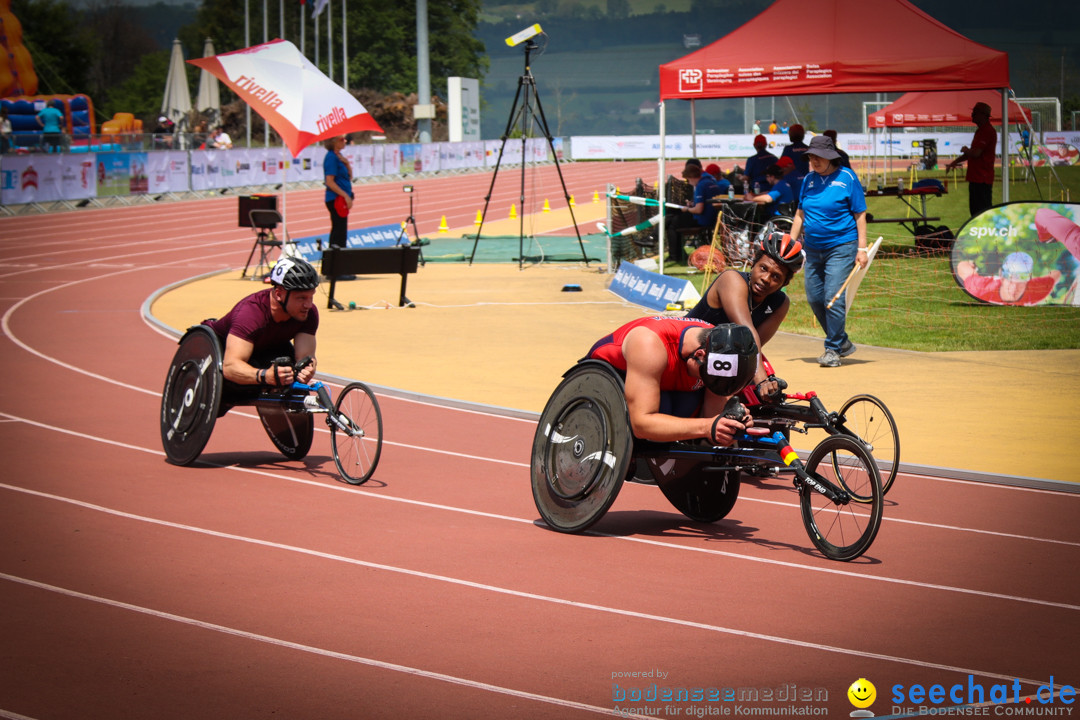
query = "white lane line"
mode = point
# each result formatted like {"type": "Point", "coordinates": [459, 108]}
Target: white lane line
{"type": "Point", "coordinates": [484, 587]}
{"type": "Point", "coordinates": [477, 513]}
{"type": "Point", "coordinates": [323, 652]}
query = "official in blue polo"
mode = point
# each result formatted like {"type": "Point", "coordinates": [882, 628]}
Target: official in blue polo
{"type": "Point", "coordinates": [831, 220]}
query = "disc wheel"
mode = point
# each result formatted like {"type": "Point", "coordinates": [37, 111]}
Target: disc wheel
{"type": "Point", "coordinates": [698, 490]}
{"type": "Point", "coordinates": [356, 451]}
{"type": "Point", "coordinates": [582, 448]}
{"type": "Point", "coordinates": [192, 396]}
{"type": "Point", "coordinates": [842, 531]}
{"type": "Point", "coordinates": [291, 432]}
{"type": "Point", "coordinates": [866, 418]}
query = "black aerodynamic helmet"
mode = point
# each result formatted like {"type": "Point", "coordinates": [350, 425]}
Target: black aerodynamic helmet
{"type": "Point", "coordinates": [781, 248]}
{"type": "Point", "coordinates": [294, 273]}
{"type": "Point", "coordinates": [731, 359]}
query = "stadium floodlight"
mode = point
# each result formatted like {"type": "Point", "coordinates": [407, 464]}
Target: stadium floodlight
{"type": "Point", "coordinates": [527, 34]}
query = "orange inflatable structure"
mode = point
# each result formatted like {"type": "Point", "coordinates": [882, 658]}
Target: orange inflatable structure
{"type": "Point", "coordinates": [17, 76]}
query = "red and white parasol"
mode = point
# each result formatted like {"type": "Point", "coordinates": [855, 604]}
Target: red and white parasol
{"type": "Point", "coordinates": [301, 103]}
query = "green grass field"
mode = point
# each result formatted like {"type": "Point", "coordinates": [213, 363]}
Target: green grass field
{"type": "Point", "coordinates": [910, 300]}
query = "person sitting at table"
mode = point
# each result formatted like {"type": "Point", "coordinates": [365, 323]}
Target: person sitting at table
{"type": "Point", "coordinates": [714, 171]}
{"type": "Point", "coordinates": [791, 179]}
{"type": "Point", "coordinates": [757, 164]}
{"type": "Point", "coordinates": [779, 200]}
{"type": "Point", "coordinates": [796, 150]}
{"type": "Point", "coordinates": [699, 213]}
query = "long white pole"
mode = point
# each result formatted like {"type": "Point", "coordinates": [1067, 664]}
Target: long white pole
{"type": "Point", "coordinates": [344, 47]}
{"type": "Point", "coordinates": [247, 43]}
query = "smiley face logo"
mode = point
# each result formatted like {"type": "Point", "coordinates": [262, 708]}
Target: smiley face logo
{"type": "Point", "coordinates": [862, 693]}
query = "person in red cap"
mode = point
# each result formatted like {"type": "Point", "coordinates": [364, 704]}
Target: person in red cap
{"type": "Point", "coordinates": [980, 160]}
{"type": "Point", "coordinates": [756, 165]}
{"type": "Point", "coordinates": [791, 179]}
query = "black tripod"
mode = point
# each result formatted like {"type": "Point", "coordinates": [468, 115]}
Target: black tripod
{"type": "Point", "coordinates": [403, 236]}
{"type": "Point", "coordinates": [526, 85]}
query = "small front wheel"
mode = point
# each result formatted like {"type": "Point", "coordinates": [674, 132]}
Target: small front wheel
{"type": "Point", "coordinates": [357, 446]}
{"type": "Point", "coordinates": [842, 530]}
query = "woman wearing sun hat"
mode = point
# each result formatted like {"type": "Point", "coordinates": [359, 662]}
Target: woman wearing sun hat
{"type": "Point", "coordinates": [831, 220]}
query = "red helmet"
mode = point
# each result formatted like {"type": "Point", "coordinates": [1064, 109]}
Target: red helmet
{"type": "Point", "coordinates": [781, 248]}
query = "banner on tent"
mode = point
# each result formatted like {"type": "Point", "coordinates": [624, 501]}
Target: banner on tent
{"type": "Point", "coordinates": [649, 289]}
{"type": "Point", "coordinates": [310, 248]}
{"type": "Point", "coordinates": [1022, 253]}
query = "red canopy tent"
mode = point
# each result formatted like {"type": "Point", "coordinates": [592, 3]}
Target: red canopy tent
{"type": "Point", "coordinates": [938, 109]}
{"type": "Point", "coordinates": [839, 46]}
{"type": "Point", "coordinates": [836, 46]}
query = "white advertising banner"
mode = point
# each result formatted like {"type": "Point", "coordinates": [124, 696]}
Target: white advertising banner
{"type": "Point", "coordinates": [31, 178]}
{"type": "Point", "coordinates": [78, 180]}
{"type": "Point", "coordinates": [167, 171]}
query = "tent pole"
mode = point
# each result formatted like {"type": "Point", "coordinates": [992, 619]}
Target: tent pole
{"type": "Point", "coordinates": [693, 128]}
{"type": "Point", "coordinates": [660, 185]}
{"type": "Point", "coordinates": [1005, 145]}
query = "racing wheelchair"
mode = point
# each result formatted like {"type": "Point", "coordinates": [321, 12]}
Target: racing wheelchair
{"type": "Point", "coordinates": [192, 401]}
{"type": "Point", "coordinates": [584, 450]}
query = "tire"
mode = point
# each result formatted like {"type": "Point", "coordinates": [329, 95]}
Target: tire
{"type": "Point", "coordinates": [357, 454]}
{"type": "Point", "coordinates": [582, 448]}
{"type": "Point", "coordinates": [291, 432]}
{"type": "Point", "coordinates": [842, 531]}
{"type": "Point", "coordinates": [698, 490]}
{"type": "Point", "coordinates": [866, 418]}
{"type": "Point", "coordinates": [191, 397]}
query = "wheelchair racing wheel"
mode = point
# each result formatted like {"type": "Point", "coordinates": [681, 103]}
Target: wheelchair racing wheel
{"type": "Point", "coordinates": [192, 396]}
{"type": "Point", "coordinates": [582, 448]}
{"type": "Point", "coordinates": [356, 452]}
{"type": "Point", "coordinates": [866, 418]}
{"type": "Point", "coordinates": [699, 490]}
{"type": "Point", "coordinates": [290, 431]}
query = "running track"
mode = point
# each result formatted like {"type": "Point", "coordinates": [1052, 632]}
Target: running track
{"type": "Point", "coordinates": [250, 587]}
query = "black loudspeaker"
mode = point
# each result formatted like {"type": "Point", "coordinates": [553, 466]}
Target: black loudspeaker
{"type": "Point", "coordinates": [254, 202]}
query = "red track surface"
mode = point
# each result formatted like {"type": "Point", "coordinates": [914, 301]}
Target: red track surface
{"type": "Point", "coordinates": [251, 587]}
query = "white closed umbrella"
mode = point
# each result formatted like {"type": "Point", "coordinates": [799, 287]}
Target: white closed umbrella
{"type": "Point", "coordinates": [208, 99]}
{"type": "Point", "coordinates": [177, 101]}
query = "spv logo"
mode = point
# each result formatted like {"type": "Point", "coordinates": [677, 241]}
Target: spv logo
{"type": "Point", "coordinates": [690, 80]}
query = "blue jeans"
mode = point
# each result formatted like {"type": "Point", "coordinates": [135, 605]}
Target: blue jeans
{"type": "Point", "coordinates": [824, 273]}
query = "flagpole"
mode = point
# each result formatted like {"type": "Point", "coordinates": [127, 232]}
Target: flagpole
{"type": "Point", "coordinates": [344, 49]}
{"type": "Point", "coordinates": [329, 42]}
{"type": "Point", "coordinates": [266, 38]}
{"type": "Point", "coordinates": [247, 43]}
{"type": "Point", "coordinates": [303, 50]}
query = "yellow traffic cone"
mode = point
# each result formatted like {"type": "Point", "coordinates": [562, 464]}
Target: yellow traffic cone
{"type": "Point", "coordinates": [547, 207]}
{"type": "Point", "coordinates": [479, 219]}
{"type": "Point", "coordinates": [513, 211]}
{"type": "Point", "coordinates": [571, 201]}
{"type": "Point", "coordinates": [595, 196]}
{"type": "Point", "coordinates": [443, 226]}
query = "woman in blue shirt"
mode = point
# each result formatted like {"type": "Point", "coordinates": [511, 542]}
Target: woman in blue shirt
{"type": "Point", "coordinates": [339, 195]}
{"type": "Point", "coordinates": [831, 220]}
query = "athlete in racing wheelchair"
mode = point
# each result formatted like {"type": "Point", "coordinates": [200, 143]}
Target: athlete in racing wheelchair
{"type": "Point", "coordinates": [248, 357]}
{"type": "Point", "coordinates": [659, 390]}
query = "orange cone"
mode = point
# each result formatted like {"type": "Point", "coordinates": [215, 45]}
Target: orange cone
{"type": "Point", "coordinates": [547, 207]}
{"type": "Point", "coordinates": [595, 196]}
{"type": "Point", "coordinates": [443, 226]}
{"type": "Point", "coordinates": [479, 219]}
{"type": "Point", "coordinates": [513, 211]}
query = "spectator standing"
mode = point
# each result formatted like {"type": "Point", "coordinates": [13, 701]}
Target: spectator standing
{"type": "Point", "coordinates": [757, 164]}
{"type": "Point", "coordinates": [5, 131]}
{"type": "Point", "coordinates": [756, 130]}
{"type": "Point", "coordinates": [796, 150]}
{"type": "Point", "coordinates": [980, 160]}
{"type": "Point", "coordinates": [831, 220]}
{"type": "Point", "coordinates": [784, 127]}
{"type": "Point", "coordinates": [772, 128]}
{"type": "Point", "coordinates": [845, 160]}
{"type": "Point", "coordinates": [51, 119]}
{"type": "Point", "coordinates": [163, 133]}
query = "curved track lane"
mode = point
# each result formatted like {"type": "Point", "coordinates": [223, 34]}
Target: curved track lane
{"type": "Point", "coordinates": [247, 586]}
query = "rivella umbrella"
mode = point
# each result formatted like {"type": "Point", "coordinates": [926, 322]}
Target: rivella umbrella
{"type": "Point", "coordinates": [290, 93]}
{"type": "Point", "coordinates": [177, 101]}
{"type": "Point", "coordinates": [208, 99]}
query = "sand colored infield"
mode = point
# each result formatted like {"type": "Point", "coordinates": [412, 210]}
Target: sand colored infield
{"type": "Point", "coordinates": [500, 336]}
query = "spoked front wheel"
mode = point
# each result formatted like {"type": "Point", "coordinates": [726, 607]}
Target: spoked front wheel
{"type": "Point", "coordinates": [866, 418]}
{"type": "Point", "coordinates": [356, 447]}
{"type": "Point", "coordinates": [842, 530]}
